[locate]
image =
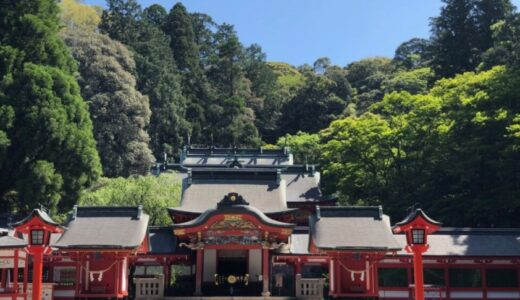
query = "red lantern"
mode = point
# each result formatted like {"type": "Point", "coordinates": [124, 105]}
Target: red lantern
{"type": "Point", "coordinates": [39, 227]}
{"type": "Point", "coordinates": [417, 226]}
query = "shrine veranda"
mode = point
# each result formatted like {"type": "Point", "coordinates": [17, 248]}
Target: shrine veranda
{"type": "Point", "coordinates": [250, 223]}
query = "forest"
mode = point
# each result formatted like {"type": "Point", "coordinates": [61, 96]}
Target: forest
{"type": "Point", "coordinates": [91, 98]}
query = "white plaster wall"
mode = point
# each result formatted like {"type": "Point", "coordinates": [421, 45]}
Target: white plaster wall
{"type": "Point", "coordinates": [255, 264]}
{"type": "Point", "coordinates": [210, 265]}
{"type": "Point", "coordinates": [502, 295]}
{"type": "Point", "coordinates": [466, 294]}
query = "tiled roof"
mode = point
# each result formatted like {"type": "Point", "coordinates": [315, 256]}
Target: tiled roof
{"type": "Point", "coordinates": [226, 156]}
{"type": "Point", "coordinates": [471, 242]}
{"type": "Point", "coordinates": [237, 209]}
{"type": "Point", "coordinates": [302, 187]}
{"type": "Point", "coordinates": [41, 214]}
{"type": "Point", "coordinates": [352, 228]}
{"type": "Point", "coordinates": [200, 196]}
{"type": "Point", "coordinates": [11, 242]}
{"type": "Point", "coordinates": [105, 228]}
{"type": "Point", "coordinates": [266, 195]}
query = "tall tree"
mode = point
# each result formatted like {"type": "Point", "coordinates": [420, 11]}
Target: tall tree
{"type": "Point", "coordinates": [121, 20]}
{"type": "Point", "coordinates": [313, 107]}
{"type": "Point", "coordinates": [414, 53]}
{"type": "Point", "coordinates": [227, 72]}
{"type": "Point", "coordinates": [155, 15]}
{"type": "Point", "coordinates": [264, 99]}
{"type": "Point", "coordinates": [50, 153]}
{"type": "Point", "coordinates": [366, 76]}
{"type": "Point", "coordinates": [120, 113]}
{"type": "Point", "coordinates": [157, 75]}
{"type": "Point", "coordinates": [462, 33]}
{"type": "Point", "coordinates": [179, 28]}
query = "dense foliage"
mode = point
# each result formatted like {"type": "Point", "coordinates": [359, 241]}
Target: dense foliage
{"type": "Point", "coordinates": [48, 149]}
{"type": "Point", "coordinates": [409, 150]}
{"type": "Point", "coordinates": [438, 124]}
{"type": "Point", "coordinates": [154, 193]}
{"type": "Point", "coordinates": [119, 112]}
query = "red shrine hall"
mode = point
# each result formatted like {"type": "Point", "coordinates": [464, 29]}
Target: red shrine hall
{"type": "Point", "coordinates": [251, 223]}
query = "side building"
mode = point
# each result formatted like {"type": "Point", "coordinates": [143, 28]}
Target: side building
{"type": "Point", "coordinates": [252, 223]}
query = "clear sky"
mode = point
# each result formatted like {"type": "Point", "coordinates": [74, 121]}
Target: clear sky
{"type": "Point", "coordinates": [300, 31]}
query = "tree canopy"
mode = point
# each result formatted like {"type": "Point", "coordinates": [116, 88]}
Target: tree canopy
{"type": "Point", "coordinates": [119, 112]}
{"type": "Point", "coordinates": [48, 149]}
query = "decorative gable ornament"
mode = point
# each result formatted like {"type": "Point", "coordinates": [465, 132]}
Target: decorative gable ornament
{"type": "Point", "coordinates": [232, 199]}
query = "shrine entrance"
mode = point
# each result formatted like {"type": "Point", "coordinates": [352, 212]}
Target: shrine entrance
{"type": "Point", "coordinates": [232, 275]}
{"type": "Point", "coordinates": [232, 262]}
{"type": "Point", "coordinates": [232, 245]}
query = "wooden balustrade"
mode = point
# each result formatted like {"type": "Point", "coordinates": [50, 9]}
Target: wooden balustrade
{"type": "Point", "coordinates": [149, 287]}
{"type": "Point", "coordinates": [309, 288]}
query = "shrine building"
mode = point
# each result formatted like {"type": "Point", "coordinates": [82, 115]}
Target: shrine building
{"type": "Point", "coordinates": [250, 223]}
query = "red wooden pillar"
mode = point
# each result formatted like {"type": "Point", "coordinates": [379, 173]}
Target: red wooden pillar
{"type": "Point", "coordinates": [2, 282]}
{"type": "Point", "coordinates": [37, 275]}
{"type": "Point", "coordinates": [297, 267]}
{"type": "Point", "coordinates": [265, 272]}
{"type": "Point", "coordinates": [78, 282]}
{"type": "Point", "coordinates": [418, 275]}
{"type": "Point", "coordinates": [15, 273]}
{"type": "Point", "coordinates": [332, 276]}
{"type": "Point", "coordinates": [25, 274]}
{"type": "Point", "coordinates": [166, 271]}
{"type": "Point", "coordinates": [198, 274]}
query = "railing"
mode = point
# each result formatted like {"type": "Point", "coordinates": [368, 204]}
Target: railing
{"type": "Point", "coordinates": [150, 287]}
{"type": "Point", "coordinates": [432, 292]}
{"type": "Point", "coordinates": [309, 288]}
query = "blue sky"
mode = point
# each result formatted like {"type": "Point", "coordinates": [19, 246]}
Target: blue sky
{"type": "Point", "coordinates": [300, 31]}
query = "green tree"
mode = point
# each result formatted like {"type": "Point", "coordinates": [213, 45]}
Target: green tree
{"type": "Point", "coordinates": [414, 53]}
{"type": "Point", "coordinates": [179, 28]}
{"type": "Point", "coordinates": [121, 20]}
{"type": "Point", "coordinates": [416, 81]}
{"type": "Point", "coordinates": [154, 193]}
{"type": "Point", "coordinates": [454, 150]}
{"type": "Point", "coordinates": [264, 99]}
{"type": "Point", "coordinates": [462, 33]}
{"type": "Point", "coordinates": [78, 15]}
{"type": "Point", "coordinates": [366, 77]}
{"type": "Point", "coordinates": [47, 132]}
{"type": "Point", "coordinates": [157, 75]}
{"type": "Point", "coordinates": [305, 147]}
{"type": "Point", "coordinates": [119, 112]}
{"type": "Point", "coordinates": [505, 50]}
{"type": "Point", "coordinates": [155, 15]}
{"type": "Point", "coordinates": [314, 106]}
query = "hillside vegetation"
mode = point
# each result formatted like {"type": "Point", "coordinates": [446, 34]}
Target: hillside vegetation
{"type": "Point", "coordinates": [90, 98]}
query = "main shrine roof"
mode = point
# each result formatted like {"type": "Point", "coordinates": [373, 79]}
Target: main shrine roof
{"type": "Point", "coordinates": [104, 228]}
{"type": "Point", "coordinates": [352, 228]}
{"type": "Point", "coordinates": [233, 156]}
{"type": "Point", "coordinates": [269, 196]}
{"type": "Point", "coordinates": [237, 209]}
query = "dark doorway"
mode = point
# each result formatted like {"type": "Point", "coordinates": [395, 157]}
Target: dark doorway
{"type": "Point", "coordinates": [232, 278]}
{"type": "Point", "coordinates": [232, 262]}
